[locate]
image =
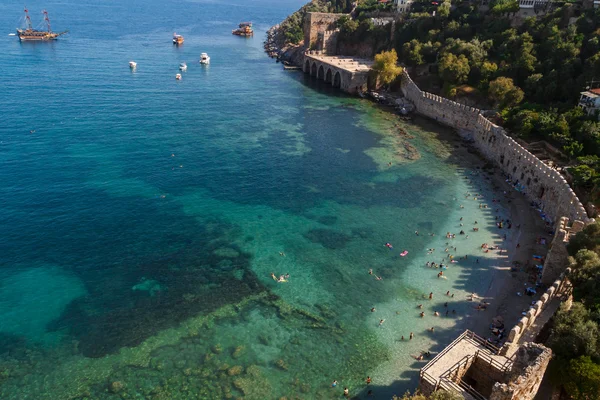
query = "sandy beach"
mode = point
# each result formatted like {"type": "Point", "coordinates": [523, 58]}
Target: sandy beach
{"type": "Point", "coordinates": [527, 228]}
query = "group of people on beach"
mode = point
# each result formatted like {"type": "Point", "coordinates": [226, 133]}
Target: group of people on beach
{"type": "Point", "coordinates": [450, 257]}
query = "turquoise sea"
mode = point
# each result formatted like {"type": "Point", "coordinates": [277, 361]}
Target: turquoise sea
{"type": "Point", "coordinates": [141, 217]}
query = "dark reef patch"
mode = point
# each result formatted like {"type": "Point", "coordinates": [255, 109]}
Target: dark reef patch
{"type": "Point", "coordinates": [328, 238]}
{"type": "Point", "coordinates": [327, 220]}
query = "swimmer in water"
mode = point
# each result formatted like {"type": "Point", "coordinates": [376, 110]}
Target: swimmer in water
{"type": "Point", "coordinates": [281, 253]}
{"type": "Point", "coordinates": [377, 277]}
{"type": "Point", "coordinates": [370, 271]}
{"type": "Point", "coordinates": [422, 314]}
{"type": "Point", "coordinates": [381, 321]}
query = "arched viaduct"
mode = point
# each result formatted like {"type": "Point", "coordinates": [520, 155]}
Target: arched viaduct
{"type": "Point", "coordinates": [346, 73]}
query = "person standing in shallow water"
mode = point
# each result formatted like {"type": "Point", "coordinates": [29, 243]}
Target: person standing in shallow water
{"type": "Point", "coordinates": [346, 392]}
{"type": "Point", "coordinates": [368, 381]}
{"type": "Point", "coordinates": [430, 295]}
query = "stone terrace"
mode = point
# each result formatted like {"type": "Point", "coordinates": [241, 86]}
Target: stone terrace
{"type": "Point", "coordinates": [447, 369]}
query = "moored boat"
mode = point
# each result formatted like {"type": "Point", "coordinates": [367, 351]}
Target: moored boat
{"type": "Point", "coordinates": [177, 39]}
{"type": "Point", "coordinates": [204, 59]}
{"type": "Point", "coordinates": [245, 29]}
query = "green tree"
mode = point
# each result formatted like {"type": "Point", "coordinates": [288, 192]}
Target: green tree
{"type": "Point", "coordinates": [347, 25]}
{"type": "Point", "coordinates": [504, 93]}
{"type": "Point", "coordinates": [582, 379]}
{"type": "Point", "coordinates": [453, 69]}
{"type": "Point", "coordinates": [504, 6]}
{"type": "Point", "coordinates": [574, 334]}
{"type": "Point", "coordinates": [411, 52]}
{"type": "Point", "coordinates": [588, 238]}
{"type": "Point", "coordinates": [386, 67]}
{"type": "Point", "coordinates": [586, 277]}
{"type": "Point", "coordinates": [443, 10]}
{"type": "Point", "coordinates": [444, 395]}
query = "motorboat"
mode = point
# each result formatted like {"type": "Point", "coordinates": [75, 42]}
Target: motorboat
{"type": "Point", "coordinates": [204, 58]}
{"type": "Point", "coordinates": [178, 77]}
{"type": "Point", "coordinates": [183, 66]}
{"type": "Point", "coordinates": [132, 64]}
{"type": "Point", "coordinates": [177, 39]}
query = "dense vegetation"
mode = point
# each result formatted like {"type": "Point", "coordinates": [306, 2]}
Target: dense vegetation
{"type": "Point", "coordinates": [439, 395]}
{"type": "Point", "coordinates": [532, 74]}
{"type": "Point", "coordinates": [575, 337]}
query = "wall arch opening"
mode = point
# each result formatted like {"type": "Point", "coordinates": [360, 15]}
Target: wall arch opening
{"type": "Point", "coordinates": [321, 72]}
{"type": "Point", "coordinates": [307, 66]}
{"type": "Point", "coordinates": [313, 70]}
{"type": "Point", "coordinates": [337, 80]}
{"type": "Point", "coordinates": [328, 76]}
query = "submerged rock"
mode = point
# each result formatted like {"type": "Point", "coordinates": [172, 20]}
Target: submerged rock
{"type": "Point", "coordinates": [148, 285]}
{"type": "Point", "coordinates": [226, 252]}
{"type": "Point", "coordinates": [237, 352]}
{"type": "Point", "coordinates": [116, 387]}
{"type": "Point", "coordinates": [281, 365]}
{"type": "Point", "coordinates": [235, 370]}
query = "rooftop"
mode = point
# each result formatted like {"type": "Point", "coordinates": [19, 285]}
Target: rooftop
{"type": "Point", "coordinates": [592, 93]}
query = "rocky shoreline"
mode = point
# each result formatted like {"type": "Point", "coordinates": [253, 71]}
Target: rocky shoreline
{"type": "Point", "coordinates": [276, 48]}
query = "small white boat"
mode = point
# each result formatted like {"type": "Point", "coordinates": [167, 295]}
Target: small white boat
{"type": "Point", "coordinates": [183, 66]}
{"type": "Point", "coordinates": [178, 77]}
{"type": "Point", "coordinates": [204, 58]}
{"type": "Point", "coordinates": [132, 64]}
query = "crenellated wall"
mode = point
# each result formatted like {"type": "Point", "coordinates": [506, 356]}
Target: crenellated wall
{"type": "Point", "coordinates": [557, 289]}
{"type": "Point", "coordinates": [540, 183]}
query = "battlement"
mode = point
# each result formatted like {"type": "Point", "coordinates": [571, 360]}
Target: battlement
{"type": "Point", "coordinates": [540, 182]}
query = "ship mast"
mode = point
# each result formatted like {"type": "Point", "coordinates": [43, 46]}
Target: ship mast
{"type": "Point", "coordinates": [28, 20]}
{"type": "Point", "coordinates": [47, 20]}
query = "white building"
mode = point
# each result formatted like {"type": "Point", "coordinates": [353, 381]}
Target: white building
{"type": "Point", "coordinates": [402, 6]}
{"type": "Point", "coordinates": [590, 101]}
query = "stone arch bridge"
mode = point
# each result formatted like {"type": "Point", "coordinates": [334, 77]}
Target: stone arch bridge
{"type": "Point", "coordinates": [347, 73]}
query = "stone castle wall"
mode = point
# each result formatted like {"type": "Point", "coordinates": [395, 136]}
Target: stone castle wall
{"type": "Point", "coordinates": [526, 374]}
{"type": "Point", "coordinates": [527, 321]}
{"type": "Point", "coordinates": [315, 22]}
{"type": "Point", "coordinates": [541, 183]}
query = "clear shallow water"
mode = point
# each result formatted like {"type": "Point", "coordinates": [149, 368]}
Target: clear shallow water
{"type": "Point", "coordinates": [142, 219]}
